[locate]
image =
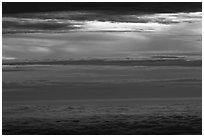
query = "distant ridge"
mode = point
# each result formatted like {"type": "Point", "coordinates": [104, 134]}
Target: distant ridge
{"type": "Point", "coordinates": [157, 62]}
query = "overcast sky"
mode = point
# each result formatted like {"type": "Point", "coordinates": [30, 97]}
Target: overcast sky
{"type": "Point", "coordinates": [100, 33]}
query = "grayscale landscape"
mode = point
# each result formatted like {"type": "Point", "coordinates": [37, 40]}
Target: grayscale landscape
{"type": "Point", "coordinates": [83, 69]}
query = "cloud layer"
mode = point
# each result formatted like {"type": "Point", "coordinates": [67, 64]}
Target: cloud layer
{"type": "Point", "coordinates": [87, 21]}
{"type": "Point", "coordinates": [92, 34]}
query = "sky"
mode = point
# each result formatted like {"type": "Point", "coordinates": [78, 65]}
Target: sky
{"type": "Point", "coordinates": [105, 30]}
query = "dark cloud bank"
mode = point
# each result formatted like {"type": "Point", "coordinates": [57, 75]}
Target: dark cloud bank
{"type": "Point", "coordinates": [155, 7]}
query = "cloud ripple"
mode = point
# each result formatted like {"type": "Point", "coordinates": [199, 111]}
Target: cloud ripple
{"type": "Point", "coordinates": [65, 22]}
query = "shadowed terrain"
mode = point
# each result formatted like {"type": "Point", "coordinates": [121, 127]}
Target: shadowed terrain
{"type": "Point", "coordinates": [94, 99]}
{"type": "Point", "coordinates": [136, 117]}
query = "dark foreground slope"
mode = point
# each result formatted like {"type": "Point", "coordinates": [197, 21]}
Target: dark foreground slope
{"type": "Point", "coordinates": [96, 99]}
{"type": "Point", "coordinates": [143, 117]}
